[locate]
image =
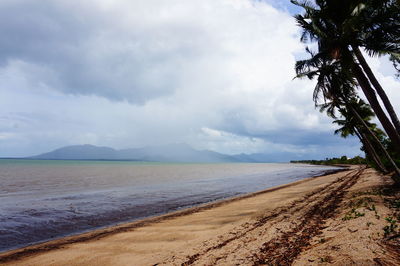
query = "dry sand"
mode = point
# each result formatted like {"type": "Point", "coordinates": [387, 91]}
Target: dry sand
{"type": "Point", "coordinates": [300, 223]}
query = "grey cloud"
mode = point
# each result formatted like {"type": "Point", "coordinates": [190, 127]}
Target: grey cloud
{"type": "Point", "coordinates": [80, 50]}
{"type": "Point", "coordinates": [40, 31]}
{"type": "Point", "coordinates": [288, 135]}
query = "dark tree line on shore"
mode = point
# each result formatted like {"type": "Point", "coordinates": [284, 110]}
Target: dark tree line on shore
{"type": "Point", "coordinates": [335, 160]}
{"type": "Point", "coordinates": [337, 32]}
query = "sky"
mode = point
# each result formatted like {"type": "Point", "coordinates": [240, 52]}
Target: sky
{"type": "Point", "coordinates": [215, 74]}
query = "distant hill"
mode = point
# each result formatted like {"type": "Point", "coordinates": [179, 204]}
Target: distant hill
{"type": "Point", "coordinates": [165, 153]}
{"type": "Point", "coordinates": [80, 152]}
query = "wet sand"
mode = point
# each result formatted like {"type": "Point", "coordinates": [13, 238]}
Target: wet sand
{"type": "Point", "coordinates": [279, 226]}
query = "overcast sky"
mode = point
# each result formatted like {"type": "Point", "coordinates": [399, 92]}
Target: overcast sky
{"type": "Point", "coordinates": [216, 74]}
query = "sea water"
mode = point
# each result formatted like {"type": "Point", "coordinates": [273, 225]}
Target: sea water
{"type": "Point", "coordinates": [42, 200]}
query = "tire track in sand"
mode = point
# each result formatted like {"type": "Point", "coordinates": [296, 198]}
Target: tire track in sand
{"type": "Point", "coordinates": [286, 245]}
{"type": "Point", "coordinates": [283, 250]}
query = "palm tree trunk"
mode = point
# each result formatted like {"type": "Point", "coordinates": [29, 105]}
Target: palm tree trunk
{"type": "Point", "coordinates": [396, 178]}
{"type": "Point", "coordinates": [373, 101]}
{"type": "Point", "coordinates": [378, 88]}
{"type": "Point", "coordinates": [370, 149]}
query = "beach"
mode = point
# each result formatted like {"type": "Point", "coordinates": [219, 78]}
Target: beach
{"type": "Point", "coordinates": [301, 223]}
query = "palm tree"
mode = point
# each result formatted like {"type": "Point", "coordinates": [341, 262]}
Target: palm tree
{"type": "Point", "coordinates": [324, 23]}
{"type": "Point", "coordinates": [396, 177]}
{"type": "Point", "coordinates": [357, 114]}
{"type": "Point", "coordinates": [350, 125]}
{"type": "Point", "coordinates": [372, 99]}
{"type": "Point", "coordinates": [375, 26]}
{"type": "Point", "coordinates": [396, 64]}
{"type": "Point", "coordinates": [337, 88]}
{"type": "Point", "coordinates": [378, 88]}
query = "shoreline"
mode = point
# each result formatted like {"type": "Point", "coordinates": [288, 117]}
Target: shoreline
{"type": "Point", "coordinates": [96, 234]}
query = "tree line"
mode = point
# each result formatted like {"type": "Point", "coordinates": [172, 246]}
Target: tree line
{"type": "Point", "coordinates": [335, 160]}
{"type": "Point", "coordinates": [336, 33]}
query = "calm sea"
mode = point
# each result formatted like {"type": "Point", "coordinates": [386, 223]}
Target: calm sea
{"type": "Point", "coordinates": [42, 200]}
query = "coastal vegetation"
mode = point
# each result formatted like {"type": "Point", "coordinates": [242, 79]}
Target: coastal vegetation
{"type": "Point", "coordinates": [338, 35]}
{"type": "Point", "coordinates": [335, 160]}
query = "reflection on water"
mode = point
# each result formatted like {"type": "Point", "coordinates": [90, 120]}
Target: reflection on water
{"type": "Point", "coordinates": [42, 200]}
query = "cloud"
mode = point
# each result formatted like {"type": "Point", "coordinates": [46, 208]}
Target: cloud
{"type": "Point", "coordinates": [216, 74]}
{"type": "Point", "coordinates": [134, 51]}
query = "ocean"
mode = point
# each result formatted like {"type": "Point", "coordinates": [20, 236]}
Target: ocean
{"type": "Point", "coordinates": [41, 200]}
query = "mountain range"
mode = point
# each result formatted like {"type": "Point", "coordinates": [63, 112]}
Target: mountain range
{"type": "Point", "coordinates": [165, 153]}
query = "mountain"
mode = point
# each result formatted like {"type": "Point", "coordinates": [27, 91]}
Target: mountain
{"type": "Point", "coordinates": [174, 153]}
{"type": "Point", "coordinates": [80, 152]}
{"type": "Point", "coordinates": [165, 153]}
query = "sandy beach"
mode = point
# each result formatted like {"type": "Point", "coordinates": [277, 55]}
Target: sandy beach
{"type": "Point", "coordinates": [336, 219]}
